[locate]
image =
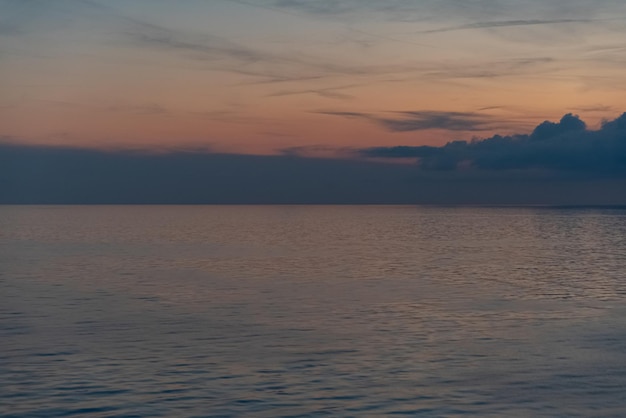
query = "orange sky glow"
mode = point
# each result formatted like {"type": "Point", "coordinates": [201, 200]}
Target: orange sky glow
{"type": "Point", "coordinates": [263, 76]}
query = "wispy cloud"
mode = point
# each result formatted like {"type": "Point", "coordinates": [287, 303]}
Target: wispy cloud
{"type": "Point", "coordinates": [594, 108]}
{"type": "Point", "coordinates": [423, 120]}
{"type": "Point", "coordinates": [486, 13]}
{"type": "Point", "coordinates": [451, 121]}
{"type": "Point", "coordinates": [333, 92]}
{"type": "Point", "coordinates": [270, 67]}
{"type": "Point", "coordinates": [505, 24]}
{"type": "Point", "coordinates": [526, 66]}
{"type": "Point", "coordinates": [117, 28]}
{"type": "Point", "coordinates": [199, 46]}
{"type": "Point", "coordinates": [149, 109]}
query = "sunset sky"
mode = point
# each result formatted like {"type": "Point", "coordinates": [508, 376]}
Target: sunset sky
{"type": "Point", "coordinates": [262, 76]}
{"type": "Point", "coordinates": [310, 101]}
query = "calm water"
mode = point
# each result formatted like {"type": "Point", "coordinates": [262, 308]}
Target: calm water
{"type": "Point", "coordinates": [312, 311]}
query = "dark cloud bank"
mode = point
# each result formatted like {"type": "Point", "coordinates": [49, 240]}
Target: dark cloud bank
{"type": "Point", "coordinates": [558, 164]}
{"type": "Point", "coordinates": [564, 146]}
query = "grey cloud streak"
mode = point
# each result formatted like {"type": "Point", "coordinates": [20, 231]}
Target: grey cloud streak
{"type": "Point", "coordinates": [451, 121]}
{"type": "Point", "coordinates": [505, 24]}
{"type": "Point", "coordinates": [451, 10]}
{"type": "Point", "coordinates": [204, 50]}
{"type": "Point", "coordinates": [423, 119]}
{"type": "Point", "coordinates": [224, 55]}
{"type": "Point", "coordinates": [332, 92]}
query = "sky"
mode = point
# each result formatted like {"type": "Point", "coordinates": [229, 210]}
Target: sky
{"type": "Point", "coordinates": [463, 86]}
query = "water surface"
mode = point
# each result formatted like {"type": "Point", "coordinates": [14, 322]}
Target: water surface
{"type": "Point", "coordinates": [312, 311]}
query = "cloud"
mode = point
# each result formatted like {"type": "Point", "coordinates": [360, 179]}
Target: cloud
{"type": "Point", "coordinates": [113, 26]}
{"type": "Point", "coordinates": [569, 124]}
{"type": "Point", "coordinates": [48, 175]}
{"type": "Point", "coordinates": [532, 67]}
{"type": "Point", "coordinates": [566, 145]}
{"type": "Point", "coordinates": [149, 109]}
{"type": "Point", "coordinates": [558, 11]}
{"type": "Point", "coordinates": [323, 7]}
{"type": "Point", "coordinates": [205, 46]}
{"type": "Point", "coordinates": [222, 54]}
{"type": "Point", "coordinates": [596, 108]}
{"type": "Point", "coordinates": [506, 23]}
{"type": "Point", "coordinates": [345, 114]}
{"type": "Point", "coordinates": [39, 174]}
{"type": "Point", "coordinates": [451, 121]}
{"type": "Point", "coordinates": [203, 49]}
{"type": "Point", "coordinates": [423, 120]}
{"type": "Point", "coordinates": [327, 92]}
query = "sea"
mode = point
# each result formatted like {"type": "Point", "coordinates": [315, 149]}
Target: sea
{"type": "Point", "coordinates": [307, 311]}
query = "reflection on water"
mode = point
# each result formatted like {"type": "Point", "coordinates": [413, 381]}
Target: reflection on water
{"type": "Point", "coordinates": [306, 311]}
